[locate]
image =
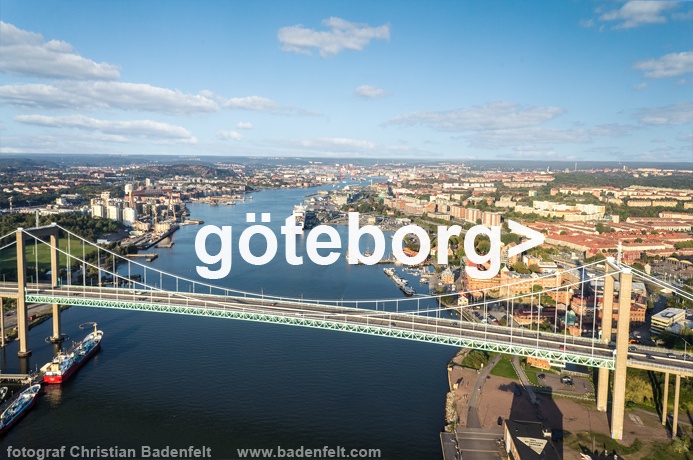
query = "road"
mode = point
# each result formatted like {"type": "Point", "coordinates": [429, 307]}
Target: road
{"type": "Point", "coordinates": [473, 415]}
{"type": "Point", "coordinates": [570, 347]}
{"type": "Point", "coordinates": [32, 309]}
{"type": "Point", "coordinates": [523, 379]}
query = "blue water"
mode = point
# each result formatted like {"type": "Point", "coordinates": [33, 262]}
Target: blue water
{"type": "Point", "coordinates": [169, 380]}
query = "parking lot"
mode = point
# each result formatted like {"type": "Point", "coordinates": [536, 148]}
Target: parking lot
{"type": "Point", "coordinates": [580, 386]}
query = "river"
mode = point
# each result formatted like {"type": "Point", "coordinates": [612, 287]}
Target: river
{"type": "Point", "coordinates": [171, 380]}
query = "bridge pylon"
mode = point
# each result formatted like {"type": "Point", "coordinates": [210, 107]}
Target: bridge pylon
{"type": "Point", "coordinates": [607, 320]}
{"type": "Point", "coordinates": [23, 235]}
{"type": "Point", "coordinates": [621, 358]}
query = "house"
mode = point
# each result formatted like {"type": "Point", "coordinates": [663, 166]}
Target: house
{"type": "Point", "coordinates": [447, 276]}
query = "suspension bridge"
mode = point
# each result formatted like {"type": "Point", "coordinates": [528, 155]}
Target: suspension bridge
{"type": "Point", "coordinates": [126, 284]}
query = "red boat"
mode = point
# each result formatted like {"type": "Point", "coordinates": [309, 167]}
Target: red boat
{"type": "Point", "coordinates": [65, 364]}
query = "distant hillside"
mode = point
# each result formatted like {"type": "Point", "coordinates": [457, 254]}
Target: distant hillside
{"type": "Point", "coordinates": [195, 170]}
{"type": "Point", "coordinates": [25, 163]}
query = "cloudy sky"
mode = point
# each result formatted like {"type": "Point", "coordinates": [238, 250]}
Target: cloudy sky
{"type": "Point", "coordinates": [489, 80]}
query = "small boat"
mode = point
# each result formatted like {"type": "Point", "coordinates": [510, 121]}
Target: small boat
{"type": "Point", "coordinates": [3, 393]}
{"type": "Point", "coordinates": [65, 364]}
{"type": "Point", "coordinates": [19, 407]}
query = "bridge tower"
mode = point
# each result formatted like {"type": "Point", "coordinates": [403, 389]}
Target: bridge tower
{"type": "Point", "coordinates": [621, 359]}
{"type": "Point", "coordinates": [52, 232]}
{"type": "Point", "coordinates": [607, 319]}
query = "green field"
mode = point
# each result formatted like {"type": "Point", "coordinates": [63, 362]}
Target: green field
{"type": "Point", "coordinates": [505, 368]}
{"type": "Point", "coordinates": [8, 257]}
{"type": "Point", "coordinates": [532, 377]}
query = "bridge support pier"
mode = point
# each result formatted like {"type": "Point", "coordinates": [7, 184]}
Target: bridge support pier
{"type": "Point", "coordinates": [2, 323]}
{"type": "Point", "coordinates": [22, 323]}
{"type": "Point", "coordinates": [607, 319]}
{"type": "Point", "coordinates": [55, 276]}
{"type": "Point", "coordinates": [51, 231]}
{"type": "Point", "coordinates": [675, 422]}
{"type": "Point", "coordinates": [621, 361]}
{"type": "Point", "coordinates": [665, 402]}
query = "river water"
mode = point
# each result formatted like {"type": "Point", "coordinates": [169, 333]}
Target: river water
{"type": "Point", "coordinates": [172, 380]}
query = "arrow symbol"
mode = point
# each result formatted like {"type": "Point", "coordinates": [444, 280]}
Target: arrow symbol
{"type": "Point", "coordinates": [535, 238]}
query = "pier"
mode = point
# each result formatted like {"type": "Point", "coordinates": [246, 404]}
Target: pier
{"type": "Point", "coordinates": [16, 378]}
{"type": "Point", "coordinates": [146, 257]}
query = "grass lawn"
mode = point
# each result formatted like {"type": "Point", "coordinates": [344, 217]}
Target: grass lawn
{"type": "Point", "coordinates": [8, 257]}
{"type": "Point", "coordinates": [505, 368]}
{"type": "Point", "coordinates": [532, 377]}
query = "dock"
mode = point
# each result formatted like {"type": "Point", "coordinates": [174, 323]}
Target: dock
{"type": "Point", "coordinates": [165, 245]}
{"type": "Point", "coordinates": [146, 257]}
{"type": "Point", "coordinates": [16, 378]}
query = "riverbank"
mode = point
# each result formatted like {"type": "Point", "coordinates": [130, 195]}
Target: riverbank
{"type": "Point", "coordinates": [43, 313]}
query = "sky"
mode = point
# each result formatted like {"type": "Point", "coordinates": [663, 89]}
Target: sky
{"type": "Point", "coordinates": [568, 80]}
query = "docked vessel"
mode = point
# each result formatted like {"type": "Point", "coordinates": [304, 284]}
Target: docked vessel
{"type": "Point", "coordinates": [3, 393]}
{"type": "Point", "coordinates": [65, 364]}
{"type": "Point", "coordinates": [300, 215]}
{"type": "Point", "coordinates": [19, 407]}
{"type": "Point", "coordinates": [408, 290]}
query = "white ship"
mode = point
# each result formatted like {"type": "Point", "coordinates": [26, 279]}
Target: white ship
{"type": "Point", "coordinates": [300, 215]}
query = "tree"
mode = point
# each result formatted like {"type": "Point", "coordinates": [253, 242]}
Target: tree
{"type": "Point", "coordinates": [507, 238]}
{"type": "Point", "coordinates": [639, 266]}
{"type": "Point", "coordinates": [650, 305]}
{"type": "Point", "coordinates": [639, 240]}
{"type": "Point", "coordinates": [521, 268]}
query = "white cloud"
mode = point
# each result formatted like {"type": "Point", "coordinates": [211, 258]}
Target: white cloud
{"type": "Point", "coordinates": [640, 86]}
{"type": "Point", "coordinates": [675, 114]}
{"type": "Point", "coordinates": [244, 125]}
{"type": "Point", "coordinates": [495, 115]}
{"type": "Point", "coordinates": [586, 23]}
{"type": "Point", "coordinates": [683, 16]}
{"type": "Point", "coordinates": [612, 130]}
{"type": "Point", "coordinates": [520, 136]}
{"type": "Point", "coordinates": [27, 53]}
{"type": "Point", "coordinates": [339, 146]}
{"type": "Point", "coordinates": [132, 128]}
{"type": "Point", "coordinates": [637, 13]}
{"type": "Point", "coordinates": [531, 152]}
{"type": "Point", "coordinates": [225, 135]}
{"type": "Point", "coordinates": [256, 103]}
{"type": "Point", "coordinates": [90, 95]}
{"type": "Point", "coordinates": [671, 65]}
{"type": "Point", "coordinates": [370, 92]}
{"type": "Point", "coordinates": [340, 36]}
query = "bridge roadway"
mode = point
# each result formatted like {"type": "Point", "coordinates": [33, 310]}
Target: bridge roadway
{"type": "Point", "coordinates": [556, 347]}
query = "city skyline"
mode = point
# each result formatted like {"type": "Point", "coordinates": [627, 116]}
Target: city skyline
{"type": "Point", "coordinates": [575, 81]}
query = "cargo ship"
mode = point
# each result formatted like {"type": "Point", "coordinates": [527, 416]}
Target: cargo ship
{"type": "Point", "coordinates": [19, 407]}
{"type": "Point", "coordinates": [64, 365]}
